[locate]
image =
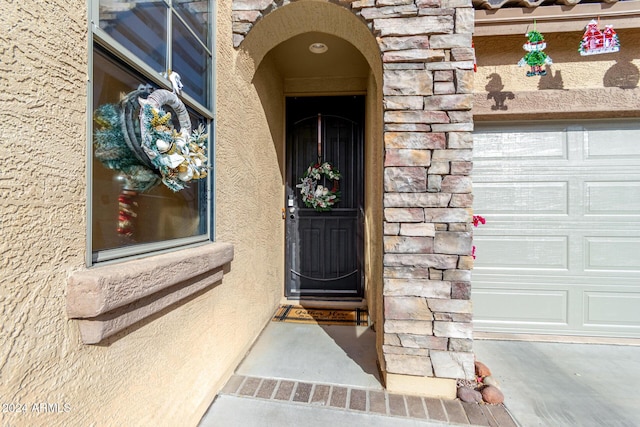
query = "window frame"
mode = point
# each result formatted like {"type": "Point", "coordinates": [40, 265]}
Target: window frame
{"type": "Point", "coordinates": [99, 37]}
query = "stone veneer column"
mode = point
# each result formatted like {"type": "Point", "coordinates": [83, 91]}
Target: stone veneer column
{"type": "Point", "coordinates": [428, 82]}
{"type": "Point", "coordinates": [428, 85]}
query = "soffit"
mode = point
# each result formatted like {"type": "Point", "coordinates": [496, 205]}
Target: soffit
{"type": "Point", "coordinates": [500, 17]}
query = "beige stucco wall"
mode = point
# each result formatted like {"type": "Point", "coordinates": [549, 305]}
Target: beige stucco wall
{"type": "Point", "coordinates": [576, 86]}
{"type": "Point", "coordinates": [374, 218]}
{"type": "Point", "coordinates": [166, 369]}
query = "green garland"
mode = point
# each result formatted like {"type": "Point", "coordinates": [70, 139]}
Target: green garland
{"type": "Point", "coordinates": [114, 153]}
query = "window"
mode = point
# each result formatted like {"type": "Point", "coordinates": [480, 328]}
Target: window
{"type": "Point", "coordinates": [135, 47]}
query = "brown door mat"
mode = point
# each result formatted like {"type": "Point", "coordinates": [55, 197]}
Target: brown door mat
{"type": "Point", "coordinates": [321, 316]}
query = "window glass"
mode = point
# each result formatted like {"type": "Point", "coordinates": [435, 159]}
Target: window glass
{"type": "Point", "coordinates": [191, 61]}
{"type": "Point", "coordinates": [197, 15]}
{"type": "Point", "coordinates": [141, 27]}
{"type": "Point", "coordinates": [122, 216]}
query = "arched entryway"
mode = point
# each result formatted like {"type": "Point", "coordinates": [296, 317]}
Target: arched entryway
{"type": "Point", "coordinates": [350, 68]}
{"type": "Point", "coordinates": [413, 65]}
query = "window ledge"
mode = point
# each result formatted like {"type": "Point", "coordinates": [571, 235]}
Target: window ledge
{"type": "Point", "coordinates": [110, 298]}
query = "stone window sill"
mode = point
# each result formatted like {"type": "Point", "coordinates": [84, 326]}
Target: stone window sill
{"type": "Point", "coordinates": [110, 298]}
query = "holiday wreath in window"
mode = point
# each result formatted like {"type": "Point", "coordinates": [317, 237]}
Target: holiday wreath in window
{"type": "Point", "coordinates": [137, 138]}
{"type": "Point", "coordinates": [315, 195]}
{"type": "Point", "coordinates": [160, 152]}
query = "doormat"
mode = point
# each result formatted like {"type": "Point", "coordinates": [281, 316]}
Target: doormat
{"type": "Point", "coordinates": [321, 316]}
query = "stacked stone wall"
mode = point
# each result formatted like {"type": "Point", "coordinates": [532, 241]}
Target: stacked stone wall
{"type": "Point", "coordinates": [427, 56]}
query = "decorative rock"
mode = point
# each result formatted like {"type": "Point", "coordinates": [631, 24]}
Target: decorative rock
{"type": "Point", "coordinates": [414, 55]}
{"type": "Point", "coordinates": [482, 370]}
{"type": "Point", "coordinates": [406, 308]}
{"type": "Point", "coordinates": [403, 43]}
{"type": "Point", "coordinates": [492, 395]}
{"type": "Point", "coordinates": [469, 395]}
{"type": "Point", "coordinates": [413, 140]}
{"type": "Point", "coordinates": [403, 102]}
{"type": "Point", "coordinates": [408, 82]}
{"type": "Point", "coordinates": [409, 365]}
{"type": "Point", "coordinates": [449, 305]}
{"type": "Point", "coordinates": [450, 364]}
{"type": "Point", "coordinates": [453, 329]}
{"type": "Point", "coordinates": [424, 229]}
{"type": "Point", "coordinates": [490, 380]}
{"type": "Point", "coordinates": [449, 242]}
{"type": "Point", "coordinates": [418, 200]}
{"type": "Point", "coordinates": [407, 244]}
{"type": "Point", "coordinates": [443, 262]}
{"type": "Point", "coordinates": [456, 183]}
{"type": "Point", "coordinates": [465, 263]}
{"type": "Point", "coordinates": [420, 117]}
{"type": "Point", "coordinates": [447, 41]}
{"type": "Point", "coordinates": [416, 287]}
{"type": "Point", "coordinates": [460, 344]}
{"type": "Point", "coordinates": [408, 214]}
{"type": "Point", "coordinates": [407, 26]}
{"type": "Point", "coordinates": [405, 179]}
{"type": "Point", "coordinates": [461, 168]}
{"type": "Point", "coordinates": [461, 290]}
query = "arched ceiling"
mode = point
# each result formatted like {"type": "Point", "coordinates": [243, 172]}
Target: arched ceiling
{"type": "Point", "coordinates": [293, 59]}
{"type": "Point", "coordinates": [290, 29]}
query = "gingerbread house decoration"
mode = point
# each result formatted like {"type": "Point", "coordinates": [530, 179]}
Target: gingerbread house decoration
{"type": "Point", "coordinates": [596, 41]}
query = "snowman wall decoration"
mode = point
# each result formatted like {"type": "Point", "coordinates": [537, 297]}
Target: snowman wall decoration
{"type": "Point", "coordinates": [535, 57]}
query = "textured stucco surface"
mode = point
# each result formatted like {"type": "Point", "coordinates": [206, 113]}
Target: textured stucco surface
{"type": "Point", "coordinates": [604, 85]}
{"type": "Point", "coordinates": [166, 369]}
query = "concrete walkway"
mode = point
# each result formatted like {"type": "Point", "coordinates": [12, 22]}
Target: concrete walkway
{"type": "Point", "coordinates": [327, 376]}
{"type": "Point", "coordinates": [566, 385]}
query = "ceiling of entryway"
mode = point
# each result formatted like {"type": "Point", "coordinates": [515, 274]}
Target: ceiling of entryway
{"type": "Point", "coordinates": [293, 59]}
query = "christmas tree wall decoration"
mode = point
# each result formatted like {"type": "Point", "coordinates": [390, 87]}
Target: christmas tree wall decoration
{"type": "Point", "coordinates": [535, 57]}
{"type": "Point", "coordinates": [594, 41]}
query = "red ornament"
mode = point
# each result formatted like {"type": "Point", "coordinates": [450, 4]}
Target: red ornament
{"type": "Point", "coordinates": [126, 213]}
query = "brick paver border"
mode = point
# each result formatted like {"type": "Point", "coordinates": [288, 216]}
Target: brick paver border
{"type": "Point", "coordinates": [378, 402]}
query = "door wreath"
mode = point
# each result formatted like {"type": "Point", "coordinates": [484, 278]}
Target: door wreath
{"type": "Point", "coordinates": [314, 194]}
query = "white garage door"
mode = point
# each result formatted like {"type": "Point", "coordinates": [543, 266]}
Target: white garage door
{"type": "Point", "coordinates": [560, 252]}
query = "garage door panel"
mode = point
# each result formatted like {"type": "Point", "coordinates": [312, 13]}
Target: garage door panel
{"type": "Point", "coordinates": [499, 252]}
{"type": "Point", "coordinates": [612, 254]}
{"type": "Point", "coordinates": [612, 198]}
{"type": "Point", "coordinates": [522, 198]}
{"type": "Point", "coordinates": [612, 144]}
{"type": "Point", "coordinates": [612, 308]}
{"type": "Point", "coordinates": [509, 143]}
{"type": "Point", "coordinates": [560, 252]}
{"type": "Point", "coordinates": [520, 306]}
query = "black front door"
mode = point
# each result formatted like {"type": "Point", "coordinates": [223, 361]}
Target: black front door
{"type": "Point", "coordinates": [324, 248]}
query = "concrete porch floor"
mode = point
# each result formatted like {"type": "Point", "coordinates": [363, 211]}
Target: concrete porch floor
{"type": "Point", "coordinates": [300, 374]}
{"type": "Point", "coordinates": [327, 375]}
